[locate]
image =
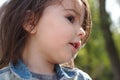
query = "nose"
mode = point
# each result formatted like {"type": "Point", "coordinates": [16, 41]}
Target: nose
{"type": "Point", "coordinates": [81, 33]}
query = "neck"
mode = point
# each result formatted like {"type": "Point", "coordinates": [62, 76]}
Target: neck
{"type": "Point", "coordinates": [36, 62]}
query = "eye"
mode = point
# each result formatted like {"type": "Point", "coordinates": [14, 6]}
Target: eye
{"type": "Point", "coordinates": [71, 18]}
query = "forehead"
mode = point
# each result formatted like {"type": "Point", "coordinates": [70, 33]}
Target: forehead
{"type": "Point", "coordinates": [73, 4]}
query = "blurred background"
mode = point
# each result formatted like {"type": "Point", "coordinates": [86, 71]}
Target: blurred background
{"type": "Point", "coordinates": [100, 57]}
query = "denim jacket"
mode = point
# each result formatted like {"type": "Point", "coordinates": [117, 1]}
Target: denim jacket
{"type": "Point", "coordinates": [21, 72]}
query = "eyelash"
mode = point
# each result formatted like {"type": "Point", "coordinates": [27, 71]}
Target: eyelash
{"type": "Point", "coordinates": [71, 19]}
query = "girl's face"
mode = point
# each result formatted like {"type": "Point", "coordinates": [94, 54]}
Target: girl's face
{"type": "Point", "coordinates": [58, 33]}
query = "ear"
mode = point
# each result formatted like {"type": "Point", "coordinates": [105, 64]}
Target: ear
{"type": "Point", "coordinates": [30, 28]}
{"type": "Point", "coordinates": [29, 24]}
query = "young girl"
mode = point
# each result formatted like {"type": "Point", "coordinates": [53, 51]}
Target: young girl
{"type": "Point", "coordinates": [39, 35]}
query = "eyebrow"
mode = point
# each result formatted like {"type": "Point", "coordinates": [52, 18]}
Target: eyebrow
{"type": "Point", "coordinates": [73, 11]}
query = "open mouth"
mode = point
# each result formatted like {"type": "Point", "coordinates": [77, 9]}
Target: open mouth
{"type": "Point", "coordinates": [76, 45]}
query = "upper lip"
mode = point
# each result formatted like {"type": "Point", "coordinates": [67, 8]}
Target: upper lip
{"type": "Point", "coordinates": [76, 44]}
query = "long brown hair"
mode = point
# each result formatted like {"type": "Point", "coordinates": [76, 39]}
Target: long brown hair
{"type": "Point", "coordinates": [12, 34]}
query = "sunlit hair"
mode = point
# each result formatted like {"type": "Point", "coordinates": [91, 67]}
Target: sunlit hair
{"type": "Point", "coordinates": [13, 14]}
{"type": "Point", "coordinates": [87, 23]}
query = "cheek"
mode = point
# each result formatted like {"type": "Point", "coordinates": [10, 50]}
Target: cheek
{"type": "Point", "coordinates": [55, 32]}
{"type": "Point", "coordinates": [63, 30]}
{"type": "Point", "coordinates": [57, 37]}
{"type": "Point", "coordinates": [62, 33]}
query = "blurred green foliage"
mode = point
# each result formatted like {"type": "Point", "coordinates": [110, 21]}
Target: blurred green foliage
{"type": "Point", "coordinates": [93, 58]}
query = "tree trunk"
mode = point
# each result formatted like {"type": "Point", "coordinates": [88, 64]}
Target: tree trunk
{"type": "Point", "coordinates": [110, 45]}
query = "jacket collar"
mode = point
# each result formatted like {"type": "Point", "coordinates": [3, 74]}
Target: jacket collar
{"type": "Point", "coordinates": [21, 70]}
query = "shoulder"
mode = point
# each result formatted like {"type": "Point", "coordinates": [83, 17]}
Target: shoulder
{"type": "Point", "coordinates": [77, 73]}
{"type": "Point", "coordinates": [4, 73]}
{"type": "Point", "coordinates": [4, 70]}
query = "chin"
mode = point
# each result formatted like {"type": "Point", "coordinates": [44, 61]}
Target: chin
{"type": "Point", "coordinates": [65, 57]}
{"type": "Point", "coordinates": [64, 60]}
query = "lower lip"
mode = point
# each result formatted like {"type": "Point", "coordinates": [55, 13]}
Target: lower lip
{"type": "Point", "coordinates": [74, 49]}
